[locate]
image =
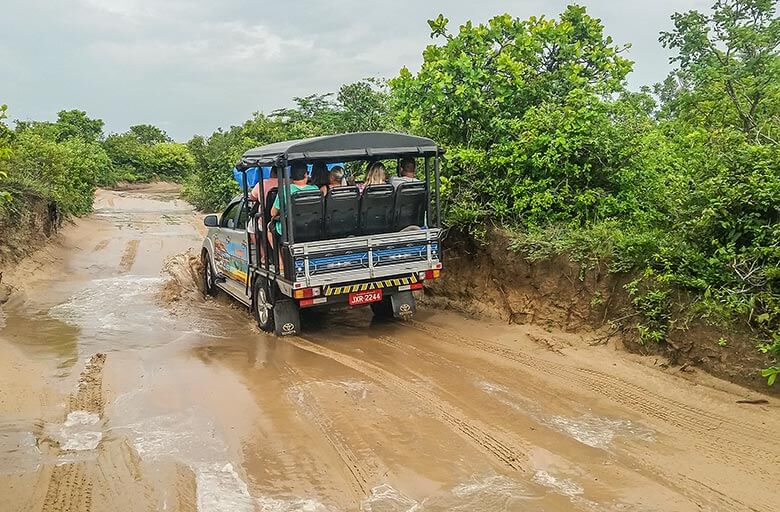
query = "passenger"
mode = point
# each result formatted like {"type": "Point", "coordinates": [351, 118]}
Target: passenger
{"type": "Point", "coordinates": [336, 177]}
{"type": "Point", "coordinates": [299, 177]}
{"type": "Point", "coordinates": [406, 172]}
{"type": "Point", "coordinates": [269, 183]}
{"type": "Point", "coordinates": [376, 175]}
{"type": "Point", "coordinates": [320, 177]}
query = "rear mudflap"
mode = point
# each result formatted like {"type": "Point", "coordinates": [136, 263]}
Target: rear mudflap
{"type": "Point", "coordinates": [287, 318]}
{"type": "Point", "coordinates": [403, 305]}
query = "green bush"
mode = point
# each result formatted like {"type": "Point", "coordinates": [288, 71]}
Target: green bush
{"type": "Point", "coordinates": [65, 172]}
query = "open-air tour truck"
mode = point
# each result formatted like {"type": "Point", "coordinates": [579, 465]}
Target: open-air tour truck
{"type": "Point", "coordinates": [349, 247]}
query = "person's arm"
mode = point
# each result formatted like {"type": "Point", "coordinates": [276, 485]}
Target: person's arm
{"type": "Point", "coordinates": [275, 208]}
{"type": "Point", "coordinates": [255, 194]}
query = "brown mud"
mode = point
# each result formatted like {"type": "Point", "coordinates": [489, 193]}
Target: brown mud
{"type": "Point", "coordinates": [123, 388]}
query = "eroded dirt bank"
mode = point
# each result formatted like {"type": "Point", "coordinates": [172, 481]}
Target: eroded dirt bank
{"type": "Point", "coordinates": [120, 390]}
{"type": "Point", "coordinates": [493, 281]}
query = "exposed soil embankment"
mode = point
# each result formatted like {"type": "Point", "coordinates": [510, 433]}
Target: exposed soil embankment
{"type": "Point", "coordinates": [25, 225]}
{"type": "Point", "coordinates": [494, 281]}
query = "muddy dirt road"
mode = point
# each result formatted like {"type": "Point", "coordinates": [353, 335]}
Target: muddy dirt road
{"type": "Point", "coordinates": [115, 397]}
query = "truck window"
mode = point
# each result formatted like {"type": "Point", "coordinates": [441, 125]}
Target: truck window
{"type": "Point", "coordinates": [229, 217]}
{"type": "Point", "coordinates": [242, 218]}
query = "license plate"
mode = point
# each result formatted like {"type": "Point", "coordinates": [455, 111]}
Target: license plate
{"type": "Point", "coordinates": [366, 297]}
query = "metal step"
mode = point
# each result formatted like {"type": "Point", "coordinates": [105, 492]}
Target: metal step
{"type": "Point", "coordinates": [237, 290]}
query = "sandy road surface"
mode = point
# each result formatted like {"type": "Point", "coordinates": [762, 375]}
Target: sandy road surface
{"type": "Point", "coordinates": [112, 400]}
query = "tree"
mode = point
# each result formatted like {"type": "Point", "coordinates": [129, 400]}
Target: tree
{"type": "Point", "coordinates": [148, 134]}
{"type": "Point", "coordinates": [169, 160]}
{"type": "Point", "coordinates": [77, 124]}
{"type": "Point", "coordinates": [212, 183]}
{"type": "Point", "coordinates": [523, 107]}
{"type": "Point", "coordinates": [65, 172]}
{"type": "Point", "coordinates": [312, 115]}
{"type": "Point", "coordinates": [499, 70]}
{"type": "Point", "coordinates": [363, 106]}
{"type": "Point", "coordinates": [728, 67]}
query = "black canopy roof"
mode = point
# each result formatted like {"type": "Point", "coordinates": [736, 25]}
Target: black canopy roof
{"type": "Point", "coordinates": [347, 146]}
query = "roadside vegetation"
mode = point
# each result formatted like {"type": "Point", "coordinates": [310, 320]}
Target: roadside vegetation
{"type": "Point", "coordinates": [63, 161]}
{"type": "Point", "coordinates": [676, 185]}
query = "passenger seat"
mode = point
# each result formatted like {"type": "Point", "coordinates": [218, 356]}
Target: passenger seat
{"type": "Point", "coordinates": [307, 206]}
{"type": "Point", "coordinates": [342, 212]}
{"type": "Point", "coordinates": [376, 209]}
{"type": "Point", "coordinates": [409, 205]}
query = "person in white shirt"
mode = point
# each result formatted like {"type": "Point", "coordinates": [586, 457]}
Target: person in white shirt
{"type": "Point", "coordinates": [406, 172]}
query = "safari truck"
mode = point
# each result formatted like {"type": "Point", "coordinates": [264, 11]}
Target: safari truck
{"type": "Point", "coordinates": [352, 246]}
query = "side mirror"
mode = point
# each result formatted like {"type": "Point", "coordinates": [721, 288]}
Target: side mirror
{"type": "Point", "coordinates": [211, 221]}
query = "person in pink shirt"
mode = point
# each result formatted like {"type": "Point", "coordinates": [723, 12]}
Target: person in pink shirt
{"type": "Point", "coordinates": [271, 182]}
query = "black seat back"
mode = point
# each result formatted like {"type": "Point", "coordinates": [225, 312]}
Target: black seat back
{"type": "Point", "coordinates": [270, 197]}
{"type": "Point", "coordinates": [409, 206]}
{"type": "Point", "coordinates": [306, 210]}
{"type": "Point", "coordinates": [376, 209]}
{"type": "Point", "coordinates": [342, 211]}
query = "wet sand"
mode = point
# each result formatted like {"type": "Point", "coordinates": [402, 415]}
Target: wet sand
{"type": "Point", "coordinates": [118, 395]}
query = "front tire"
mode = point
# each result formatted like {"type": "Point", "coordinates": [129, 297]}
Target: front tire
{"type": "Point", "coordinates": [209, 277]}
{"type": "Point", "coordinates": [262, 305]}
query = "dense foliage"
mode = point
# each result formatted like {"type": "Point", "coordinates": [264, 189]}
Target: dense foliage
{"type": "Point", "coordinates": [682, 188]}
{"type": "Point", "coordinates": [65, 160]}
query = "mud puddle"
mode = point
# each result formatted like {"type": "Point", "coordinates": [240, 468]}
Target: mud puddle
{"type": "Point", "coordinates": [123, 388]}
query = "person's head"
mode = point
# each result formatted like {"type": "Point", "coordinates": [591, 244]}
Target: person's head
{"type": "Point", "coordinates": [298, 171]}
{"type": "Point", "coordinates": [319, 174]}
{"type": "Point", "coordinates": [336, 175]}
{"type": "Point", "coordinates": [274, 172]}
{"type": "Point", "coordinates": [376, 174]}
{"type": "Point", "coordinates": [407, 167]}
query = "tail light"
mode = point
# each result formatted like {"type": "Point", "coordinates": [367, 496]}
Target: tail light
{"type": "Point", "coordinates": [430, 274]}
{"type": "Point", "coordinates": [307, 293]}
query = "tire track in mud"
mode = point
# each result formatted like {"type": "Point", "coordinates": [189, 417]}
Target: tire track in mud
{"type": "Point", "coordinates": [128, 256]}
{"type": "Point", "coordinates": [726, 447]}
{"type": "Point", "coordinates": [698, 491]}
{"type": "Point", "coordinates": [488, 440]}
{"type": "Point", "coordinates": [70, 489]}
{"type": "Point", "coordinates": [360, 475]}
{"type": "Point", "coordinates": [635, 397]}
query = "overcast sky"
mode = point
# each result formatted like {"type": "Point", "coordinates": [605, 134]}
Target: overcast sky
{"type": "Point", "coordinates": [191, 66]}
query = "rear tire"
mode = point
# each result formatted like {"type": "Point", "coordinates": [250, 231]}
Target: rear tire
{"type": "Point", "coordinates": [209, 277]}
{"type": "Point", "coordinates": [383, 308]}
{"type": "Point", "coordinates": [262, 305]}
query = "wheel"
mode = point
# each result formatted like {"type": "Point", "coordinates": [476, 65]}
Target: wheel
{"type": "Point", "coordinates": [383, 308]}
{"type": "Point", "coordinates": [262, 305]}
{"type": "Point", "coordinates": [209, 278]}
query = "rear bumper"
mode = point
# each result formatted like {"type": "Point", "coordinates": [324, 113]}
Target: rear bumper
{"type": "Point", "coordinates": [340, 294]}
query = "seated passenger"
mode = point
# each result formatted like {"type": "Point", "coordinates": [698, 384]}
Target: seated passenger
{"type": "Point", "coordinates": [376, 176]}
{"type": "Point", "coordinates": [406, 172]}
{"type": "Point", "coordinates": [268, 183]}
{"type": "Point", "coordinates": [254, 196]}
{"type": "Point", "coordinates": [336, 177]}
{"type": "Point", "coordinates": [320, 177]}
{"type": "Point", "coordinates": [299, 176]}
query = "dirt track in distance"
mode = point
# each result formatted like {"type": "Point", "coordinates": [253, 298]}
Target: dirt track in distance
{"type": "Point", "coordinates": [121, 391]}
